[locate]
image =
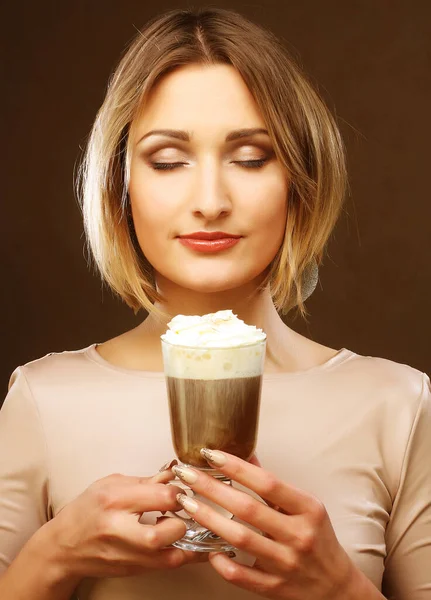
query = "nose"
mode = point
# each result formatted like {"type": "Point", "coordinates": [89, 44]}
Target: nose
{"type": "Point", "coordinates": [211, 198]}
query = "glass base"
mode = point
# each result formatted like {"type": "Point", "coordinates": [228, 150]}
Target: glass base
{"type": "Point", "coordinates": [198, 538]}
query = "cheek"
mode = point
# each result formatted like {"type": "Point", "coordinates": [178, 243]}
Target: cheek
{"type": "Point", "coordinates": [269, 215]}
{"type": "Point", "coordinates": [151, 201]}
{"type": "Point", "coordinates": [153, 215]}
{"type": "Point", "coordinates": [272, 216]}
{"type": "Point", "coordinates": [151, 227]}
{"type": "Point", "coordinates": [150, 219]}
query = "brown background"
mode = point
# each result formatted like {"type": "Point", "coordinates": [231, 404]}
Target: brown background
{"type": "Point", "coordinates": [372, 62]}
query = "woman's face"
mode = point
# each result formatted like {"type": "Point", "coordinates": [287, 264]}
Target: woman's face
{"type": "Point", "coordinates": [205, 178]}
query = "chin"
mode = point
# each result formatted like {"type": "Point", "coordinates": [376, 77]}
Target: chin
{"type": "Point", "coordinates": [211, 288]}
{"type": "Point", "coordinates": [209, 283]}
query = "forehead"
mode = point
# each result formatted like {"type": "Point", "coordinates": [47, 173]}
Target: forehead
{"type": "Point", "coordinates": [200, 98]}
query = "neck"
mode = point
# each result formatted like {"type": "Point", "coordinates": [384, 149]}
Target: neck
{"type": "Point", "coordinates": [253, 306]}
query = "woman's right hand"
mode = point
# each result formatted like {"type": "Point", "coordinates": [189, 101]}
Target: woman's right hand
{"type": "Point", "coordinates": [98, 533]}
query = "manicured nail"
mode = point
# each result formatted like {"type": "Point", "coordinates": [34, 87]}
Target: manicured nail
{"type": "Point", "coordinates": [213, 456]}
{"type": "Point", "coordinates": [185, 474]}
{"type": "Point", "coordinates": [187, 503]}
{"type": "Point", "coordinates": [168, 465]}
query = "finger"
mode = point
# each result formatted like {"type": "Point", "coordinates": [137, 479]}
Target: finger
{"type": "Point", "coordinates": [138, 497]}
{"type": "Point", "coordinates": [118, 478]}
{"type": "Point", "coordinates": [167, 558]}
{"type": "Point", "coordinates": [254, 580]}
{"type": "Point", "coordinates": [241, 504]}
{"type": "Point", "coordinates": [195, 557]}
{"type": "Point", "coordinates": [265, 484]}
{"type": "Point", "coordinates": [160, 519]}
{"type": "Point", "coordinates": [164, 473]}
{"type": "Point", "coordinates": [167, 466]}
{"type": "Point", "coordinates": [175, 557]}
{"type": "Point", "coordinates": [162, 476]}
{"type": "Point", "coordinates": [255, 461]}
{"type": "Point", "coordinates": [149, 538]}
{"type": "Point", "coordinates": [238, 535]}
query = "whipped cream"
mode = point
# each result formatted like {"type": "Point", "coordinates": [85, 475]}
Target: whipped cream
{"type": "Point", "coordinates": [213, 346]}
{"type": "Point", "coordinates": [215, 330]}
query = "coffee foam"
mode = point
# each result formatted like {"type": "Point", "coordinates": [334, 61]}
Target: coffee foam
{"type": "Point", "coordinates": [213, 363]}
{"type": "Point", "coordinates": [214, 330]}
{"type": "Point", "coordinates": [212, 346]}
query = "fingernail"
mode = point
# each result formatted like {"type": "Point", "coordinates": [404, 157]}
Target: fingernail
{"type": "Point", "coordinates": [185, 474]}
{"type": "Point", "coordinates": [187, 503]}
{"type": "Point", "coordinates": [168, 465]}
{"type": "Point", "coordinates": [230, 554]}
{"type": "Point", "coordinates": [213, 456]}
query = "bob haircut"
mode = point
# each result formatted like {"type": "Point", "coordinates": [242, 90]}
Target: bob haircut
{"type": "Point", "coordinates": [303, 132]}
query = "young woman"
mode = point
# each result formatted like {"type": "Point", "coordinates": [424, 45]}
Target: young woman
{"type": "Point", "coordinates": [209, 130]}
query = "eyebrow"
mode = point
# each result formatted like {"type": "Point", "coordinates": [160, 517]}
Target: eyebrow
{"type": "Point", "coordinates": [185, 135]}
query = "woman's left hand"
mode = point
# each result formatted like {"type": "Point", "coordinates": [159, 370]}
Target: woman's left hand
{"type": "Point", "coordinates": [298, 558]}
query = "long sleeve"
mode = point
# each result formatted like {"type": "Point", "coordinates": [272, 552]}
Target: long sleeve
{"type": "Point", "coordinates": [23, 469]}
{"type": "Point", "coordinates": [408, 535]}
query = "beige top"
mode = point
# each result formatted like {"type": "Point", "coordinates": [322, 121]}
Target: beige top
{"type": "Point", "coordinates": [355, 431]}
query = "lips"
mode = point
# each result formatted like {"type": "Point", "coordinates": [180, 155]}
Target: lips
{"type": "Point", "coordinates": [209, 235]}
{"type": "Point", "coordinates": [209, 241]}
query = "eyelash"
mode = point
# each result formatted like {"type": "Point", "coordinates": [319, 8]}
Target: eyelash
{"type": "Point", "coordinates": [246, 164]}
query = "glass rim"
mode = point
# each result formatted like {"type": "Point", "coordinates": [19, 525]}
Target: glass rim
{"type": "Point", "coordinates": [188, 347]}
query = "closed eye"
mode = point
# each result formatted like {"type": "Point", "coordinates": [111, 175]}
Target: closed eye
{"type": "Point", "coordinates": [159, 166]}
{"type": "Point", "coordinates": [247, 164]}
{"type": "Point", "coordinates": [251, 164]}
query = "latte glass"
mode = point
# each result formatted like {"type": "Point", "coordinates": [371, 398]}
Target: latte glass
{"type": "Point", "coordinates": [214, 401]}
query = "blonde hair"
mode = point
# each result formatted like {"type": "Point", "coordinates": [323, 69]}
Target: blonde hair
{"type": "Point", "coordinates": [304, 134]}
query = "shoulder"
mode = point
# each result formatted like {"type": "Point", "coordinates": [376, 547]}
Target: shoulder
{"type": "Point", "coordinates": [392, 381]}
{"type": "Point", "coordinates": [391, 402]}
{"type": "Point", "coordinates": [53, 367]}
{"type": "Point", "coordinates": [59, 384]}
{"type": "Point", "coordinates": [39, 385]}
{"type": "Point", "coordinates": [371, 377]}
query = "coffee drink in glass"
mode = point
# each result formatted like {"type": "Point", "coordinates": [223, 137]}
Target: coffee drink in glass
{"type": "Point", "coordinates": [213, 366]}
